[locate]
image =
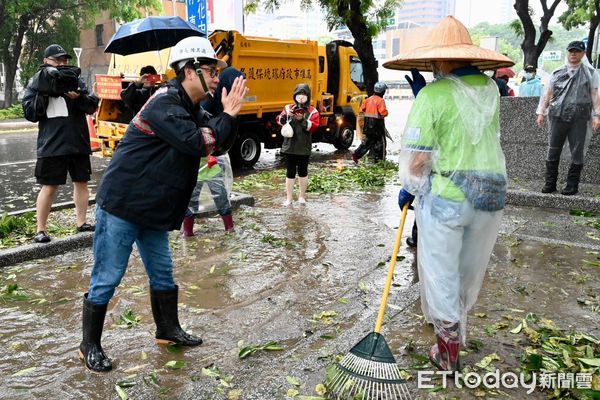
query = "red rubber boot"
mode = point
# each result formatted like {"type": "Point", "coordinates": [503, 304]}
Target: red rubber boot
{"type": "Point", "coordinates": [188, 227]}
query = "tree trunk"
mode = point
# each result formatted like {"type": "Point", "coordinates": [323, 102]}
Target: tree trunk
{"type": "Point", "coordinates": [594, 21]}
{"type": "Point", "coordinates": [363, 44]}
{"type": "Point", "coordinates": [12, 61]}
{"type": "Point", "coordinates": [11, 70]}
{"type": "Point", "coordinates": [364, 49]}
{"type": "Point", "coordinates": [591, 37]}
{"type": "Point", "coordinates": [531, 49]}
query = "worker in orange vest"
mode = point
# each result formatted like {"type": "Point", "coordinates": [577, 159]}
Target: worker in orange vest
{"type": "Point", "coordinates": [374, 111]}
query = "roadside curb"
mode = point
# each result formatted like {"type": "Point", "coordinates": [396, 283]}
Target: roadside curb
{"type": "Point", "coordinates": [553, 200]}
{"type": "Point", "coordinates": [17, 125]}
{"type": "Point", "coordinates": [32, 251]}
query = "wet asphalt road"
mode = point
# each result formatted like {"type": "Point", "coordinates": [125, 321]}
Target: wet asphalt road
{"type": "Point", "coordinates": [18, 188]}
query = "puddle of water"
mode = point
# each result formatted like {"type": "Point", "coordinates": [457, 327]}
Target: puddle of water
{"type": "Point", "coordinates": [263, 283]}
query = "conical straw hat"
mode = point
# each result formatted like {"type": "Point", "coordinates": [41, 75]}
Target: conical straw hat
{"type": "Point", "coordinates": [449, 40]}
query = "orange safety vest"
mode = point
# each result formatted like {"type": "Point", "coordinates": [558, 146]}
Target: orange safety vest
{"type": "Point", "coordinates": [374, 107]}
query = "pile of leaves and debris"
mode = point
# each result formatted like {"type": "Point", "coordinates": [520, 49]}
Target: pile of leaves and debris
{"type": "Point", "coordinates": [326, 180]}
{"type": "Point", "coordinates": [16, 230]}
{"type": "Point", "coordinates": [568, 361]}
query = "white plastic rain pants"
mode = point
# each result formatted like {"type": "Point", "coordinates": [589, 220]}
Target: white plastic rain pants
{"type": "Point", "coordinates": [455, 245]}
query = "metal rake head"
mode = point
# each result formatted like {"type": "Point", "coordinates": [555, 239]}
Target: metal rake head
{"type": "Point", "coordinates": [357, 378]}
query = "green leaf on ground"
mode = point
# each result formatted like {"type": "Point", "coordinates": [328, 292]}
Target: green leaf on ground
{"type": "Point", "coordinates": [292, 381]}
{"type": "Point", "coordinates": [249, 350]}
{"type": "Point", "coordinates": [592, 263]}
{"type": "Point", "coordinates": [175, 364]}
{"type": "Point", "coordinates": [517, 329]}
{"type": "Point", "coordinates": [24, 371]}
{"type": "Point", "coordinates": [122, 393]}
{"type": "Point", "coordinates": [582, 213]}
{"type": "Point", "coordinates": [594, 362]}
{"type": "Point", "coordinates": [128, 320]}
{"type": "Point", "coordinates": [487, 360]}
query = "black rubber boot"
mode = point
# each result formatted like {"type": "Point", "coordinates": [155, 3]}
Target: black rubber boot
{"type": "Point", "coordinates": [412, 240]}
{"type": "Point", "coordinates": [550, 177]}
{"type": "Point", "coordinates": [572, 180]}
{"type": "Point", "coordinates": [164, 310]}
{"type": "Point", "coordinates": [90, 349]}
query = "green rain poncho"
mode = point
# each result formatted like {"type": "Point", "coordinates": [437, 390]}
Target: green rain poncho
{"type": "Point", "coordinates": [453, 130]}
{"type": "Point", "coordinates": [452, 161]}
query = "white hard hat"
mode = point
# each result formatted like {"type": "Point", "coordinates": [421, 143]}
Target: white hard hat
{"type": "Point", "coordinates": [193, 48]}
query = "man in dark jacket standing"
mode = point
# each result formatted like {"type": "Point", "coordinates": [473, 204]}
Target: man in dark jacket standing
{"type": "Point", "coordinates": [63, 143]}
{"type": "Point", "coordinates": [146, 189]}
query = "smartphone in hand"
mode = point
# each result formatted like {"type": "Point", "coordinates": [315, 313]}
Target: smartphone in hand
{"type": "Point", "coordinates": [153, 78]}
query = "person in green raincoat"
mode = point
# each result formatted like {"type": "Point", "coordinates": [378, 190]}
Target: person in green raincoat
{"type": "Point", "coordinates": [451, 160]}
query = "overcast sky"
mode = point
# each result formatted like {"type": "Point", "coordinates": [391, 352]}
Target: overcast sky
{"type": "Point", "coordinates": [472, 12]}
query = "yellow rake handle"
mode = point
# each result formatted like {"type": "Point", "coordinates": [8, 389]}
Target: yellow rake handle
{"type": "Point", "coordinates": [390, 276]}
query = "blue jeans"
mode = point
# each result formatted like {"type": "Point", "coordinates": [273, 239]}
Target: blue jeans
{"type": "Point", "coordinates": [113, 242]}
{"type": "Point", "coordinates": [219, 195]}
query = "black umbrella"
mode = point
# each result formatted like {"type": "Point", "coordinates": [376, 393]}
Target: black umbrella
{"type": "Point", "coordinates": [150, 33]}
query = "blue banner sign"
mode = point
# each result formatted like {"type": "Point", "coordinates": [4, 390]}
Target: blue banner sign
{"type": "Point", "coordinates": [197, 14]}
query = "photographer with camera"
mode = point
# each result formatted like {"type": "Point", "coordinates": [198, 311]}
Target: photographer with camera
{"type": "Point", "coordinates": [58, 100]}
{"type": "Point", "coordinates": [138, 92]}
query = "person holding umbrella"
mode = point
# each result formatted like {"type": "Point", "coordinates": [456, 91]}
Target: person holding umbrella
{"type": "Point", "coordinates": [452, 161]}
{"type": "Point", "coordinates": [146, 188]}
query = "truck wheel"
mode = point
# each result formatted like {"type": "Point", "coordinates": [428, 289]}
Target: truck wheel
{"type": "Point", "coordinates": [246, 150]}
{"type": "Point", "coordinates": [345, 137]}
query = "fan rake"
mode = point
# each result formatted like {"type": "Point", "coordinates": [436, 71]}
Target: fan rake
{"type": "Point", "coordinates": [369, 371]}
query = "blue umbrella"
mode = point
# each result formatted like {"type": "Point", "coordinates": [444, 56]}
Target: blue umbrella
{"type": "Point", "coordinates": [150, 33]}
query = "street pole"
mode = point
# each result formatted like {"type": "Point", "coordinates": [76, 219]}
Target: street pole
{"type": "Point", "coordinates": [77, 51]}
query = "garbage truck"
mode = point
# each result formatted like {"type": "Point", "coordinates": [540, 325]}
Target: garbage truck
{"type": "Point", "coordinates": [273, 68]}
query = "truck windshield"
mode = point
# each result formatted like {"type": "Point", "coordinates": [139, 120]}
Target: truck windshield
{"type": "Point", "coordinates": [356, 72]}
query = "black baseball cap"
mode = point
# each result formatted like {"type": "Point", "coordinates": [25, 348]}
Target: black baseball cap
{"type": "Point", "coordinates": [576, 45]}
{"type": "Point", "coordinates": [55, 51]}
{"type": "Point", "coordinates": [529, 68]}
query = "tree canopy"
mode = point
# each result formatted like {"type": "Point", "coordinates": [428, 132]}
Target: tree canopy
{"type": "Point", "coordinates": [364, 18]}
{"type": "Point", "coordinates": [510, 40]}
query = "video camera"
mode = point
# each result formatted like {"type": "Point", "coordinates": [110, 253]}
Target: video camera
{"type": "Point", "coordinates": [55, 81]}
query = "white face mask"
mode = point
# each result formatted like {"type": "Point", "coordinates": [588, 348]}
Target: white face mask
{"type": "Point", "coordinates": [529, 75]}
{"type": "Point", "coordinates": [301, 98]}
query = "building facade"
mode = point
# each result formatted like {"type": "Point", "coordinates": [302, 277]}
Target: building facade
{"type": "Point", "coordinates": [424, 12]}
